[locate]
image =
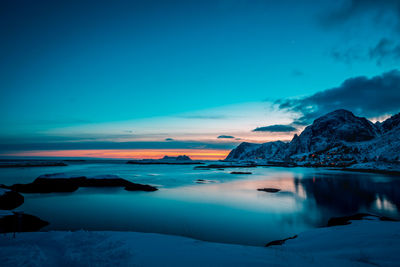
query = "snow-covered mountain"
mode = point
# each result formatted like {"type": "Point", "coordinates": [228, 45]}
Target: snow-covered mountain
{"type": "Point", "coordinates": [267, 151]}
{"type": "Point", "coordinates": [338, 138]}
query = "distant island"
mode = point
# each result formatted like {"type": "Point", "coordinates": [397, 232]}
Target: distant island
{"type": "Point", "coordinates": [30, 163]}
{"type": "Point", "coordinates": [179, 160]}
{"type": "Point", "coordinates": [337, 139]}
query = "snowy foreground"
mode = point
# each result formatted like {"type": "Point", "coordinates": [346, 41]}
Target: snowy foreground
{"type": "Point", "coordinates": [363, 243]}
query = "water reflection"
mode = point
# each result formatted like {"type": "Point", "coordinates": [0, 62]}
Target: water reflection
{"type": "Point", "coordinates": [230, 210]}
{"type": "Point", "coordinates": [348, 193]}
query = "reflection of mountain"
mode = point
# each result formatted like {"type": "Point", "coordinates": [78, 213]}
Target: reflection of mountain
{"type": "Point", "coordinates": [348, 194]}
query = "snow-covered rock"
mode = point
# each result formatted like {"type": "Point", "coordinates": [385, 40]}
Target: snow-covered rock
{"type": "Point", "coordinates": [337, 139]}
{"type": "Point", "coordinates": [267, 151]}
{"type": "Point", "coordinates": [331, 130]}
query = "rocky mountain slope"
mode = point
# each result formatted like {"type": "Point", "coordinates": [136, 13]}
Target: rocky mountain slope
{"type": "Point", "coordinates": [267, 151]}
{"type": "Point", "coordinates": [336, 139]}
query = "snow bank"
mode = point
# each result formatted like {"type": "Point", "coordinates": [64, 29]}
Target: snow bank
{"type": "Point", "coordinates": [362, 243]}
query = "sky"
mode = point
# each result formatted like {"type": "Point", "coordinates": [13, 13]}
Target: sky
{"type": "Point", "coordinates": [139, 79]}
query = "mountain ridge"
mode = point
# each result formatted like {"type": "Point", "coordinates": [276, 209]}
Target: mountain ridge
{"type": "Point", "coordinates": [337, 139]}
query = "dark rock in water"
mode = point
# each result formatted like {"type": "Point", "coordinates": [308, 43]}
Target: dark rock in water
{"type": "Point", "coordinates": [49, 185]}
{"type": "Point", "coordinates": [140, 187]}
{"type": "Point", "coordinates": [204, 181]}
{"type": "Point", "coordinates": [10, 200]}
{"type": "Point", "coordinates": [56, 183]}
{"type": "Point", "coordinates": [279, 242]}
{"type": "Point", "coordinates": [345, 220]}
{"type": "Point", "coordinates": [269, 190]}
{"type": "Point", "coordinates": [20, 222]}
{"type": "Point", "coordinates": [241, 173]}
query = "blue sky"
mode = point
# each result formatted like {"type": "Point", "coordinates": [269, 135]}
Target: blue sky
{"type": "Point", "coordinates": [71, 68]}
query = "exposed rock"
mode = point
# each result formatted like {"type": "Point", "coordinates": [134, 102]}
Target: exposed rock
{"type": "Point", "coordinates": [279, 242]}
{"type": "Point", "coordinates": [56, 183]}
{"type": "Point", "coordinates": [204, 181]}
{"type": "Point", "coordinates": [20, 222]}
{"type": "Point", "coordinates": [269, 190]}
{"type": "Point", "coordinates": [359, 216]}
{"type": "Point", "coordinates": [140, 187]}
{"type": "Point", "coordinates": [9, 199]}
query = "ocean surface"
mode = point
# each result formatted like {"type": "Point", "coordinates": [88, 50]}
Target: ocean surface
{"type": "Point", "coordinates": [226, 208]}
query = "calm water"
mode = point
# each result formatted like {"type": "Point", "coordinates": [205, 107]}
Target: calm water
{"type": "Point", "coordinates": [227, 209]}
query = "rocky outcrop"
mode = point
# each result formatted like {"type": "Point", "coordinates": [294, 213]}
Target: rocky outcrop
{"type": "Point", "coordinates": [391, 123]}
{"type": "Point", "coordinates": [9, 199]}
{"type": "Point", "coordinates": [56, 183]}
{"type": "Point", "coordinates": [19, 222]}
{"type": "Point", "coordinates": [332, 130]}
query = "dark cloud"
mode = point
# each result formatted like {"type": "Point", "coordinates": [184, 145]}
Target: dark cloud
{"type": "Point", "coordinates": [169, 139]}
{"type": "Point", "coordinates": [348, 55]}
{"type": "Point", "coordinates": [276, 128]}
{"type": "Point", "coordinates": [378, 9]}
{"type": "Point", "coordinates": [370, 97]}
{"type": "Point", "coordinates": [296, 73]}
{"type": "Point", "coordinates": [385, 49]}
{"type": "Point", "coordinates": [225, 137]}
{"type": "Point", "coordinates": [385, 13]}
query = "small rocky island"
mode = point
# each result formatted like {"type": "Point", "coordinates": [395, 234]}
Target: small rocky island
{"type": "Point", "coordinates": [179, 160]}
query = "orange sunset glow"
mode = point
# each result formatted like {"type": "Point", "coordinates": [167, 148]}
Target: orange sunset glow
{"type": "Point", "coordinates": [200, 154]}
